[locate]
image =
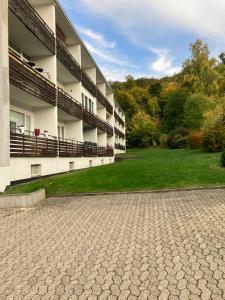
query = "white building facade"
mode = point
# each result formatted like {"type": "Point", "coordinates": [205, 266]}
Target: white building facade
{"type": "Point", "coordinates": [57, 111]}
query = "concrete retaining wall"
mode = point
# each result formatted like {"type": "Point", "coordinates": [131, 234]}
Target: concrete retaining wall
{"type": "Point", "coordinates": [22, 200]}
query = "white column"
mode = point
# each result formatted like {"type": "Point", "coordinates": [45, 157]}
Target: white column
{"type": "Point", "coordinates": [4, 98]}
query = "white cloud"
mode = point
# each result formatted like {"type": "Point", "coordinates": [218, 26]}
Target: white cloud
{"type": "Point", "coordinates": [164, 64]}
{"type": "Point", "coordinates": [96, 37]}
{"type": "Point", "coordinates": [202, 17]}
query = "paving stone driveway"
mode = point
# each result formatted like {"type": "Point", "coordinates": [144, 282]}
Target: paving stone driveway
{"type": "Point", "coordinates": [129, 246]}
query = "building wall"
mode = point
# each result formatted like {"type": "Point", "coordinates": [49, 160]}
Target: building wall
{"type": "Point", "coordinates": [43, 115]}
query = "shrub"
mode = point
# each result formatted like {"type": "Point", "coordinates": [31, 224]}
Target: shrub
{"type": "Point", "coordinates": [164, 140]}
{"type": "Point", "coordinates": [213, 140]}
{"type": "Point", "coordinates": [178, 138]}
{"type": "Point", "coordinates": [195, 140]}
{"type": "Point", "coordinates": [223, 159]}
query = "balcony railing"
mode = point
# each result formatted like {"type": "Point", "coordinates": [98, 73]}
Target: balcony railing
{"type": "Point", "coordinates": [31, 19]}
{"type": "Point", "coordinates": [70, 148]}
{"type": "Point", "coordinates": [27, 144]}
{"type": "Point", "coordinates": [69, 104]}
{"type": "Point", "coordinates": [119, 133]}
{"type": "Point", "coordinates": [102, 99]}
{"type": "Point", "coordinates": [26, 78]}
{"type": "Point", "coordinates": [120, 147]}
{"type": "Point", "coordinates": [95, 121]}
{"type": "Point", "coordinates": [68, 60]}
{"type": "Point", "coordinates": [73, 66]}
{"type": "Point", "coordinates": [118, 118]}
{"type": "Point", "coordinates": [89, 84]}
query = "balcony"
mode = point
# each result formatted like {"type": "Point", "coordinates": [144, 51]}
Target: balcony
{"type": "Point", "coordinates": [118, 118]}
{"type": "Point", "coordinates": [95, 121]}
{"type": "Point", "coordinates": [88, 84]}
{"type": "Point", "coordinates": [70, 148]}
{"type": "Point", "coordinates": [68, 60]}
{"type": "Point", "coordinates": [119, 133]}
{"type": "Point", "coordinates": [101, 98]}
{"type": "Point", "coordinates": [69, 105]}
{"type": "Point", "coordinates": [120, 147]}
{"type": "Point", "coordinates": [29, 80]}
{"type": "Point", "coordinates": [27, 144]}
{"type": "Point", "coordinates": [72, 65]}
{"type": "Point", "coordinates": [31, 19]}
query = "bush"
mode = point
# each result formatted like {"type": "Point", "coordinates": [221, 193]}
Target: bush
{"type": "Point", "coordinates": [213, 140]}
{"type": "Point", "coordinates": [178, 138]}
{"type": "Point", "coordinates": [164, 140]}
{"type": "Point", "coordinates": [195, 140]}
{"type": "Point", "coordinates": [223, 159]}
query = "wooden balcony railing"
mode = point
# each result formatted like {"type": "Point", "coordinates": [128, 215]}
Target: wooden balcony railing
{"type": "Point", "coordinates": [119, 133]}
{"type": "Point", "coordinates": [120, 147]}
{"type": "Point", "coordinates": [90, 149]}
{"type": "Point", "coordinates": [68, 60]}
{"type": "Point", "coordinates": [70, 148]}
{"type": "Point", "coordinates": [26, 78]}
{"type": "Point", "coordinates": [118, 118]}
{"type": "Point", "coordinates": [102, 99]}
{"type": "Point", "coordinates": [31, 19]}
{"type": "Point", "coordinates": [69, 104]}
{"type": "Point", "coordinates": [26, 144]}
{"type": "Point", "coordinates": [88, 84]}
{"type": "Point", "coordinates": [73, 66]}
{"type": "Point", "coordinates": [95, 121]}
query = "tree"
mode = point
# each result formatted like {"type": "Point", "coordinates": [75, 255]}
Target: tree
{"type": "Point", "coordinates": [153, 107]}
{"type": "Point", "coordinates": [140, 96]}
{"type": "Point", "coordinates": [194, 108]}
{"type": "Point", "coordinates": [127, 103]}
{"type": "Point", "coordinates": [199, 72]}
{"type": "Point", "coordinates": [215, 115]}
{"type": "Point", "coordinates": [174, 116]}
{"type": "Point", "coordinates": [142, 132]}
{"type": "Point", "coordinates": [155, 89]}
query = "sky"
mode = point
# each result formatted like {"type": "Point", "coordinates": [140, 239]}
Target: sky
{"type": "Point", "coordinates": [146, 38]}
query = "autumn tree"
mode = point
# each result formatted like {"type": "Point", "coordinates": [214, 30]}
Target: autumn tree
{"type": "Point", "coordinates": [199, 72]}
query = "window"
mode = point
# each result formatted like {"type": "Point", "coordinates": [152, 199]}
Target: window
{"type": "Point", "coordinates": [71, 166]}
{"type": "Point", "coordinates": [61, 131]}
{"type": "Point", "coordinates": [35, 170]}
{"type": "Point", "coordinates": [18, 119]}
{"type": "Point", "coordinates": [90, 105]}
{"type": "Point", "coordinates": [86, 102]}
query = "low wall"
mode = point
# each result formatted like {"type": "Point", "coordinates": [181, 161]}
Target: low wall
{"type": "Point", "coordinates": [21, 200]}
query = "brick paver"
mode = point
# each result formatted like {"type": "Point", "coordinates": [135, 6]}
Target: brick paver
{"type": "Point", "coordinates": [129, 246]}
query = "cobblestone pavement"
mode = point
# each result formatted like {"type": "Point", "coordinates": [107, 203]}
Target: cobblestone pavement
{"type": "Point", "coordinates": [129, 246]}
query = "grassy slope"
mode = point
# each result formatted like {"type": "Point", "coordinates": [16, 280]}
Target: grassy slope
{"type": "Point", "coordinates": [152, 169]}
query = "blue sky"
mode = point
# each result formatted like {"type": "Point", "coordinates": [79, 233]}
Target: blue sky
{"type": "Point", "coordinates": [146, 37]}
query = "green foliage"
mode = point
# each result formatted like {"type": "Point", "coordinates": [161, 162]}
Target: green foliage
{"type": "Point", "coordinates": [223, 159]}
{"type": "Point", "coordinates": [178, 138]}
{"type": "Point", "coordinates": [199, 73]}
{"type": "Point", "coordinates": [127, 103]}
{"type": "Point", "coordinates": [193, 99]}
{"type": "Point", "coordinates": [164, 140]}
{"type": "Point", "coordinates": [194, 110]}
{"type": "Point", "coordinates": [195, 140]}
{"type": "Point", "coordinates": [143, 131]}
{"type": "Point", "coordinates": [214, 140]}
{"type": "Point", "coordinates": [174, 110]}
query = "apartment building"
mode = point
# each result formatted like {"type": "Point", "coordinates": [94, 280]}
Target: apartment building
{"type": "Point", "coordinates": [57, 110]}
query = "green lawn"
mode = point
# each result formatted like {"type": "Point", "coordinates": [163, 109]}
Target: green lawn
{"type": "Point", "coordinates": [148, 169]}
